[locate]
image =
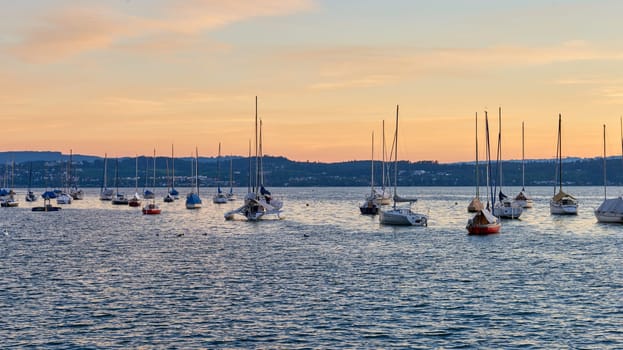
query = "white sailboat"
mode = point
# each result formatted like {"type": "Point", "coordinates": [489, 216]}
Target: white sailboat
{"type": "Point", "coordinates": [219, 197]}
{"type": "Point", "coordinates": [522, 199]}
{"type": "Point", "coordinates": [258, 203]}
{"type": "Point", "coordinates": [173, 193]}
{"type": "Point", "coordinates": [561, 203]}
{"type": "Point", "coordinates": [401, 215]}
{"type": "Point", "coordinates": [64, 197]}
{"type": "Point", "coordinates": [135, 200]}
{"type": "Point", "coordinates": [231, 196]}
{"type": "Point", "coordinates": [193, 201]}
{"type": "Point", "coordinates": [150, 207]}
{"type": "Point", "coordinates": [8, 199]}
{"type": "Point", "coordinates": [120, 198]}
{"type": "Point", "coordinates": [75, 192]}
{"type": "Point", "coordinates": [476, 205]}
{"type": "Point", "coordinates": [610, 210]}
{"type": "Point", "coordinates": [504, 207]}
{"type": "Point", "coordinates": [106, 193]}
{"type": "Point", "coordinates": [483, 222]}
{"type": "Point", "coordinates": [30, 195]}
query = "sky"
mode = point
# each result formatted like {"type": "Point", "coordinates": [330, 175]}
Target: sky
{"type": "Point", "coordinates": [124, 76]}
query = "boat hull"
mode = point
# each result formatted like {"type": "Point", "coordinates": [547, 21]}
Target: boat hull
{"type": "Point", "coordinates": [134, 203]}
{"type": "Point", "coordinates": [483, 229]}
{"type": "Point", "coordinates": [402, 217]}
{"type": "Point", "coordinates": [46, 208]}
{"type": "Point", "coordinates": [563, 209]}
{"type": "Point", "coordinates": [507, 212]}
{"type": "Point", "coordinates": [609, 217]}
{"type": "Point", "coordinates": [219, 199]}
{"type": "Point", "coordinates": [366, 210]}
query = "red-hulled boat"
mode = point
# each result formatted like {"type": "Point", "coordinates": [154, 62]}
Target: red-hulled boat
{"type": "Point", "coordinates": [483, 223]}
{"type": "Point", "coordinates": [151, 209]}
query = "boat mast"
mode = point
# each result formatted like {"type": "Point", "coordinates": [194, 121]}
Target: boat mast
{"type": "Point", "coordinates": [117, 175]}
{"type": "Point", "coordinates": [605, 183]}
{"type": "Point", "coordinates": [372, 168]}
{"type": "Point", "coordinates": [261, 159]}
{"type": "Point", "coordinates": [257, 163]}
{"type": "Point", "coordinates": [218, 166]}
{"type": "Point", "coordinates": [136, 174]}
{"type": "Point", "coordinates": [154, 180]}
{"type": "Point", "coordinates": [477, 172]}
{"type": "Point", "coordinates": [559, 154]}
{"type": "Point", "coordinates": [197, 168]}
{"type": "Point", "coordinates": [383, 163]}
{"type": "Point", "coordinates": [490, 195]}
{"type": "Point", "coordinates": [105, 185]}
{"type": "Point", "coordinates": [396, 158]}
{"type": "Point", "coordinates": [172, 169]}
{"type": "Point", "coordinates": [250, 176]}
{"type": "Point", "coordinates": [523, 159]}
{"type": "Point", "coordinates": [500, 147]}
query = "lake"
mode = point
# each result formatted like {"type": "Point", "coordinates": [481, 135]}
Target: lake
{"type": "Point", "coordinates": [96, 275]}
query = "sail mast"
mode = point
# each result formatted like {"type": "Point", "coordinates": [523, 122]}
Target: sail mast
{"type": "Point", "coordinates": [560, 151]}
{"type": "Point", "coordinates": [172, 168]}
{"type": "Point", "coordinates": [523, 159]}
{"type": "Point", "coordinates": [477, 172]}
{"type": "Point", "coordinates": [605, 183]}
{"type": "Point", "coordinates": [396, 158]}
{"type": "Point", "coordinates": [197, 168]}
{"type": "Point", "coordinates": [372, 167]}
{"type": "Point", "coordinates": [257, 163]}
{"type": "Point", "coordinates": [383, 162]}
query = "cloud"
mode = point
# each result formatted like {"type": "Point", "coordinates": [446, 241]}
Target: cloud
{"type": "Point", "coordinates": [347, 67]}
{"type": "Point", "coordinates": [72, 30]}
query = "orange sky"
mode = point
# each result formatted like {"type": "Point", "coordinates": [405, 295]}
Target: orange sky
{"type": "Point", "coordinates": [124, 76]}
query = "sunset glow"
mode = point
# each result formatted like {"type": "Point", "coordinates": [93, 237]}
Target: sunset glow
{"type": "Point", "coordinates": [124, 76]}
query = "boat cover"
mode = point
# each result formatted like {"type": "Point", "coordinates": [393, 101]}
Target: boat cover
{"type": "Point", "coordinates": [614, 205]}
{"type": "Point", "coordinates": [560, 195]}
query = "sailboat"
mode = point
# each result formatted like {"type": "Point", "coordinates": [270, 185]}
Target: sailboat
{"type": "Point", "coordinates": [193, 201]}
{"type": "Point", "coordinates": [105, 192]}
{"type": "Point", "coordinates": [119, 198]}
{"type": "Point", "coordinates": [147, 193]}
{"type": "Point", "coordinates": [173, 193]}
{"type": "Point", "coordinates": [476, 205]}
{"type": "Point", "coordinates": [168, 198]}
{"type": "Point", "coordinates": [504, 207]}
{"type": "Point", "coordinates": [610, 210]}
{"type": "Point", "coordinates": [258, 203]}
{"type": "Point", "coordinates": [231, 196]}
{"type": "Point", "coordinates": [561, 203]}
{"type": "Point", "coordinates": [47, 204]}
{"type": "Point", "coordinates": [219, 197]}
{"type": "Point", "coordinates": [135, 201]}
{"type": "Point", "coordinates": [523, 199]}
{"type": "Point", "coordinates": [8, 197]}
{"type": "Point", "coordinates": [151, 208]}
{"type": "Point", "coordinates": [64, 197]}
{"type": "Point", "coordinates": [74, 191]}
{"type": "Point", "coordinates": [382, 197]}
{"type": "Point", "coordinates": [484, 222]}
{"type": "Point", "coordinates": [30, 195]}
{"type": "Point", "coordinates": [370, 206]}
{"type": "Point", "coordinates": [400, 215]}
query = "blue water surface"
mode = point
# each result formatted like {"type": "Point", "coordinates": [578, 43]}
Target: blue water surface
{"type": "Point", "coordinates": [100, 276]}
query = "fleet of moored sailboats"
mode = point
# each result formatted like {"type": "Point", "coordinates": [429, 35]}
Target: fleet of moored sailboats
{"type": "Point", "coordinates": [260, 204]}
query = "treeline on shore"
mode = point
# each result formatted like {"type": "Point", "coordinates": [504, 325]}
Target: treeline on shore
{"type": "Point", "coordinates": [279, 171]}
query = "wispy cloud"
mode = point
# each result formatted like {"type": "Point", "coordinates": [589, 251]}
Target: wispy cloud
{"type": "Point", "coordinates": [370, 66]}
{"type": "Point", "coordinates": [75, 29]}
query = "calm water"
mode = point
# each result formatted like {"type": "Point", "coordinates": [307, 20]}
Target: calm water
{"type": "Point", "coordinates": [99, 276]}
